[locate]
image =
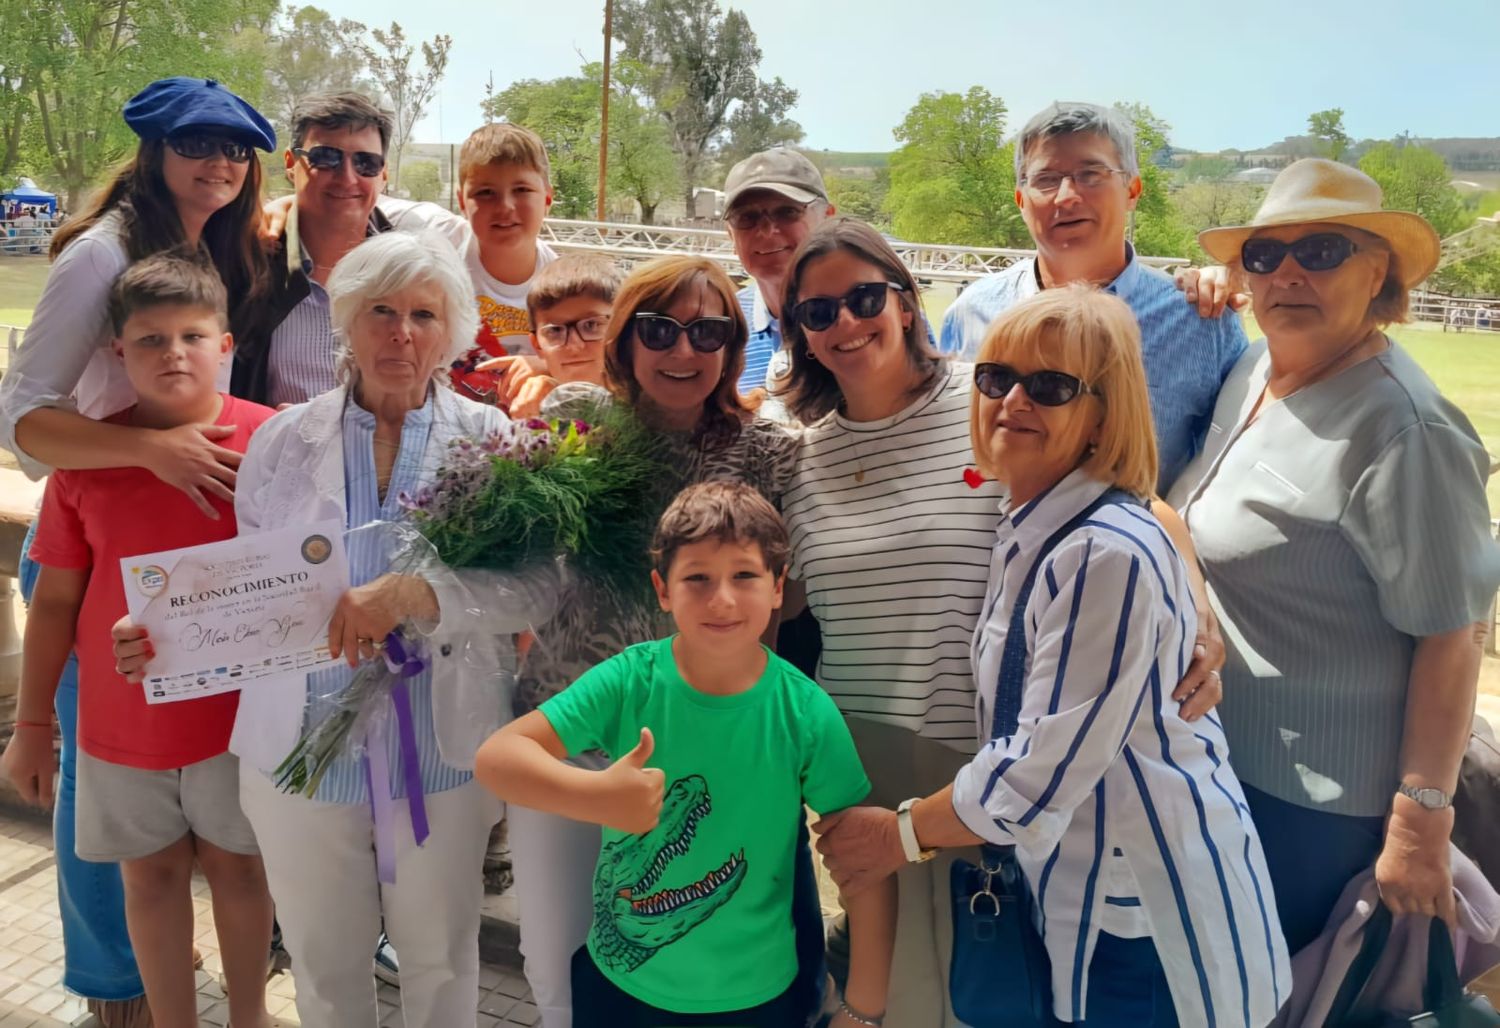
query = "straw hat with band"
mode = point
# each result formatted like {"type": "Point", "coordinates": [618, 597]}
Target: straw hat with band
{"type": "Point", "coordinates": [1314, 190]}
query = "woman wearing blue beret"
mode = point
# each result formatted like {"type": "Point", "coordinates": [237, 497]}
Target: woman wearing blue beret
{"type": "Point", "coordinates": [193, 182]}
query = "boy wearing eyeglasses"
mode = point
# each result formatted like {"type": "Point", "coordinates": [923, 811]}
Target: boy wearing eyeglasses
{"type": "Point", "coordinates": [569, 304]}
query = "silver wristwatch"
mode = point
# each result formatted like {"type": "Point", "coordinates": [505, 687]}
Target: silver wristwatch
{"type": "Point", "coordinates": [1432, 799]}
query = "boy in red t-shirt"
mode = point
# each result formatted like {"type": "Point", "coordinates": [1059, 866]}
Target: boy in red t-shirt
{"type": "Point", "coordinates": [157, 787]}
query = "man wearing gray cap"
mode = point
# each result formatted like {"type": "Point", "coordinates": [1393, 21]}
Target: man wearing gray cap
{"type": "Point", "coordinates": [772, 201]}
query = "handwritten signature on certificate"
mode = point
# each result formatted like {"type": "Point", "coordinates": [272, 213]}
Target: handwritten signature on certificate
{"type": "Point", "coordinates": [224, 614]}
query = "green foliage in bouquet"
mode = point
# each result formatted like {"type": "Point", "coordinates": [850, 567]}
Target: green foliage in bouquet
{"type": "Point", "coordinates": [586, 489]}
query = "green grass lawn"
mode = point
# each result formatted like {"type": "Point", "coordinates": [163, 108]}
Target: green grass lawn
{"type": "Point", "coordinates": [21, 280]}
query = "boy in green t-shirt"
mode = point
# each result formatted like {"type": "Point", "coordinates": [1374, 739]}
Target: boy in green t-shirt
{"type": "Point", "coordinates": [693, 889]}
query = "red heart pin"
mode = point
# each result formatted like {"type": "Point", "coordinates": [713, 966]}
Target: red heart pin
{"type": "Point", "coordinates": [973, 478]}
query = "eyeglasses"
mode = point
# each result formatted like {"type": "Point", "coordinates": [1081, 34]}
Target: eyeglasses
{"type": "Point", "coordinates": [818, 313]}
{"type": "Point", "coordinates": [1323, 251]}
{"type": "Point", "coordinates": [331, 158]}
{"type": "Point", "coordinates": [590, 330]}
{"type": "Point", "coordinates": [1047, 183]}
{"type": "Point", "coordinates": [750, 219]}
{"type": "Point", "coordinates": [198, 148]}
{"type": "Point", "coordinates": [660, 331]}
{"type": "Point", "coordinates": [1045, 388]}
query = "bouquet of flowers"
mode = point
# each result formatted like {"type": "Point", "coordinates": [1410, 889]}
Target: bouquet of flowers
{"type": "Point", "coordinates": [586, 491]}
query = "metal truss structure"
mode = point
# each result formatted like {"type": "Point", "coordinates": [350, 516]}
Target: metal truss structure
{"type": "Point", "coordinates": [631, 243]}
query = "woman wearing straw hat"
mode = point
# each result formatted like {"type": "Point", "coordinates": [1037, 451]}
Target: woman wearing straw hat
{"type": "Point", "coordinates": [1339, 512]}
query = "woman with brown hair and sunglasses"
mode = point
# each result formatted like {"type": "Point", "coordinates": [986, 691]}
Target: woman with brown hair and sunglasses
{"type": "Point", "coordinates": [673, 351]}
{"type": "Point", "coordinates": [193, 184]}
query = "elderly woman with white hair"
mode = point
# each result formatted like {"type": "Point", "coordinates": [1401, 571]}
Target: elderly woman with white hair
{"type": "Point", "coordinates": [402, 307]}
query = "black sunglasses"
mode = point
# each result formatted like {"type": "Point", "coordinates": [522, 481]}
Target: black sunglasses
{"type": "Point", "coordinates": [818, 313]}
{"type": "Point", "coordinates": [749, 219]}
{"type": "Point", "coordinates": [1321, 252]}
{"type": "Point", "coordinates": [1046, 388]}
{"type": "Point", "coordinates": [197, 148]}
{"type": "Point", "coordinates": [331, 158]}
{"type": "Point", "coordinates": [708, 334]}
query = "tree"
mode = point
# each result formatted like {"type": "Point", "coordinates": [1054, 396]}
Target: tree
{"type": "Point", "coordinates": [87, 57]}
{"type": "Point", "coordinates": [701, 62]}
{"type": "Point", "coordinates": [1207, 168]}
{"type": "Point", "coordinates": [953, 180]}
{"type": "Point", "coordinates": [409, 90]}
{"type": "Point", "coordinates": [424, 181]}
{"type": "Point", "coordinates": [642, 164]}
{"type": "Point", "coordinates": [1414, 178]}
{"type": "Point", "coordinates": [760, 122]}
{"type": "Point", "coordinates": [1328, 126]}
{"type": "Point", "coordinates": [565, 113]}
{"type": "Point", "coordinates": [1157, 230]}
{"type": "Point", "coordinates": [857, 197]}
{"type": "Point", "coordinates": [313, 52]}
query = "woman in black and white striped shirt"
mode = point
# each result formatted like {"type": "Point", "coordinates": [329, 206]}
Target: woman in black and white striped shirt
{"type": "Point", "coordinates": [892, 546]}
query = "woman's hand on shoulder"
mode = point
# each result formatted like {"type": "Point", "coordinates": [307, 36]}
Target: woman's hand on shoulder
{"type": "Point", "coordinates": [273, 219]}
{"type": "Point", "coordinates": [189, 458]}
{"type": "Point", "coordinates": [1209, 290]}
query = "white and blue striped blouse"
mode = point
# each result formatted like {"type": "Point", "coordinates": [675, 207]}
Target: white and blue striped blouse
{"type": "Point", "coordinates": [369, 559]}
{"type": "Point", "coordinates": [1126, 819]}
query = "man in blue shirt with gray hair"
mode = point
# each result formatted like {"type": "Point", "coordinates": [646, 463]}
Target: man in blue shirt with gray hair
{"type": "Point", "coordinates": [1077, 180]}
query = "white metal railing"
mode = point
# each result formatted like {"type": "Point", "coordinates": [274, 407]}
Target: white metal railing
{"type": "Point", "coordinates": [642, 242]}
{"type": "Point", "coordinates": [18, 238]}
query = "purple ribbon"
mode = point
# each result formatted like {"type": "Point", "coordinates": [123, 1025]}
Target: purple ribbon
{"type": "Point", "coordinates": [403, 665]}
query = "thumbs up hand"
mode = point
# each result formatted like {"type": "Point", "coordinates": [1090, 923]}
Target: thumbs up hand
{"type": "Point", "coordinates": [631, 793]}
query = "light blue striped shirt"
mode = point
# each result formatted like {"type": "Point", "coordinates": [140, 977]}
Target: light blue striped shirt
{"type": "Point", "coordinates": [1187, 357]}
{"type": "Point", "coordinates": [369, 559]}
{"type": "Point", "coordinates": [301, 360]}
{"type": "Point", "coordinates": [764, 343]}
{"type": "Point", "coordinates": [1126, 818]}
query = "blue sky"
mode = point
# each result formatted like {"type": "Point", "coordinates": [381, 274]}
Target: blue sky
{"type": "Point", "coordinates": [1222, 74]}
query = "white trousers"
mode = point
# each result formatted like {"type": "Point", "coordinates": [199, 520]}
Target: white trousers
{"type": "Point", "coordinates": [553, 859]}
{"type": "Point", "coordinates": [320, 864]}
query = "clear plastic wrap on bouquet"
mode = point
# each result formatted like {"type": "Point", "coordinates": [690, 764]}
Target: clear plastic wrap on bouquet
{"type": "Point", "coordinates": [469, 650]}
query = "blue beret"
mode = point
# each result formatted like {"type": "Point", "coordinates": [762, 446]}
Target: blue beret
{"type": "Point", "coordinates": [170, 107]}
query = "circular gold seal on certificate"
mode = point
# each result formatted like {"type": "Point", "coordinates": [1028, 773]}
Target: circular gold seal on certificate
{"type": "Point", "coordinates": [316, 548]}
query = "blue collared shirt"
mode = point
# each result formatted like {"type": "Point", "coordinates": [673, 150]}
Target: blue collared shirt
{"type": "Point", "coordinates": [1187, 357]}
{"type": "Point", "coordinates": [765, 340]}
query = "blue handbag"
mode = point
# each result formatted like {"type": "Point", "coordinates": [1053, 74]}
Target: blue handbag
{"type": "Point", "coordinates": [1000, 975]}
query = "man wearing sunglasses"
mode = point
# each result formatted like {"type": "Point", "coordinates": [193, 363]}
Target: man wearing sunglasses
{"type": "Point", "coordinates": [337, 167]}
{"type": "Point", "coordinates": [1077, 182]}
{"type": "Point", "coordinates": [772, 202]}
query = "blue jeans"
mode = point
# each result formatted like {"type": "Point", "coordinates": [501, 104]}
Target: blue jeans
{"type": "Point", "coordinates": [1127, 986]}
{"type": "Point", "coordinates": [98, 962]}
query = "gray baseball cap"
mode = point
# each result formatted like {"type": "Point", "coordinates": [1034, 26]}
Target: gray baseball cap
{"type": "Point", "coordinates": [779, 170]}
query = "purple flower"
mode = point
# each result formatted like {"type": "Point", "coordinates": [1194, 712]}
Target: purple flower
{"type": "Point", "coordinates": [537, 424]}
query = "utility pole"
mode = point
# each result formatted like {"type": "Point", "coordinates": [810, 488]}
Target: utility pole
{"type": "Point", "coordinates": [609, 10]}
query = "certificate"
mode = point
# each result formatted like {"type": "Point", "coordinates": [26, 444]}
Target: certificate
{"type": "Point", "coordinates": [224, 614]}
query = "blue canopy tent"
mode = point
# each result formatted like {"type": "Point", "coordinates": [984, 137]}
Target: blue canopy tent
{"type": "Point", "coordinates": [29, 195]}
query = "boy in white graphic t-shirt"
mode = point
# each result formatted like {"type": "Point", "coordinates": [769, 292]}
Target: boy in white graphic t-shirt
{"type": "Point", "coordinates": [504, 193]}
